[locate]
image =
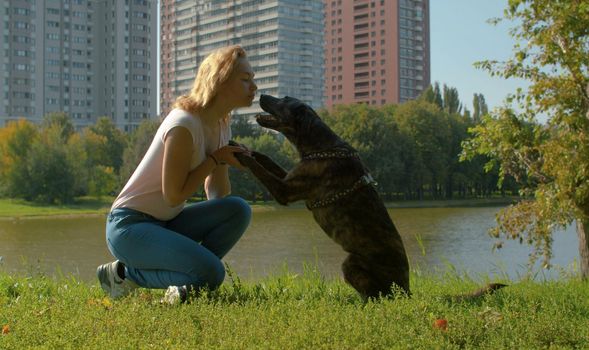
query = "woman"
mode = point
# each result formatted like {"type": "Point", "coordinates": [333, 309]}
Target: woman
{"type": "Point", "coordinates": [158, 241]}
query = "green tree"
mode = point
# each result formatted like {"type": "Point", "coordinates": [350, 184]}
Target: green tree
{"type": "Point", "coordinates": [16, 139]}
{"type": "Point", "coordinates": [550, 161]}
{"type": "Point", "coordinates": [111, 150]}
{"type": "Point", "coordinates": [242, 127]}
{"type": "Point", "coordinates": [55, 168]}
{"type": "Point", "coordinates": [479, 107]}
{"type": "Point", "coordinates": [139, 142]}
{"type": "Point", "coordinates": [62, 120]}
{"type": "Point", "coordinates": [374, 134]}
{"type": "Point", "coordinates": [452, 103]}
{"type": "Point", "coordinates": [242, 182]}
{"type": "Point", "coordinates": [430, 132]}
{"type": "Point", "coordinates": [438, 96]}
{"type": "Point", "coordinates": [103, 181]}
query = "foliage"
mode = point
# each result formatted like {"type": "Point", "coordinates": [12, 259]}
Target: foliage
{"type": "Point", "coordinates": [411, 150]}
{"type": "Point", "coordinates": [242, 182]}
{"type": "Point", "coordinates": [16, 139]}
{"type": "Point", "coordinates": [109, 151]}
{"type": "Point", "coordinates": [550, 161]}
{"type": "Point", "coordinates": [243, 127]}
{"type": "Point", "coordinates": [139, 142]}
{"type": "Point", "coordinates": [103, 181]}
{"type": "Point", "coordinates": [54, 167]}
{"type": "Point", "coordinates": [375, 135]}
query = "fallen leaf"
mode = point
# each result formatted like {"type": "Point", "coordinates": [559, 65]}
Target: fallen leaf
{"type": "Point", "coordinates": [5, 329]}
{"type": "Point", "coordinates": [441, 324]}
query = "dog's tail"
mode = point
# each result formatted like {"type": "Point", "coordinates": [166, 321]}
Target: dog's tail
{"type": "Point", "coordinates": [486, 290]}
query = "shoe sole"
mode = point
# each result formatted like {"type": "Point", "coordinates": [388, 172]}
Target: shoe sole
{"type": "Point", "coordinates": [101, 274]}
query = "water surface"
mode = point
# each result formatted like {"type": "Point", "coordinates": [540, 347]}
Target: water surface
{"type": "Point", "coordinates": [435, 239]}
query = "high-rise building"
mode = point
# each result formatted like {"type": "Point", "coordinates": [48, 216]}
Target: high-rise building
{"type": "Point", "coordinates": [376, 51]}
{"type": "Point", "coordinates": [283, 40]}
{"type": "Point", "coordinates": [87, 58]}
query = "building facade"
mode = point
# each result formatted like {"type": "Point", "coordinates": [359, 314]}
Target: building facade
{"type": "Point", "coordinates": [87, 58]}
{"type": "Point", "coordinates": [376, 51]}
{"type": "Point", "coordinates": [283, 40]}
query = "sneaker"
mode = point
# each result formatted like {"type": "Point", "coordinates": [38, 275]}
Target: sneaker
{"type": "Point", "coordinates": [175, 295]}
{"type": "Point", "coordinates": [111, 283]}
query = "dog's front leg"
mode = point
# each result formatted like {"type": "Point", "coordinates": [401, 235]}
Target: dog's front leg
{"type": "Point", "coordinates": [269, 164]}
{"type": "Point", "coordinates": [263, 160]}
{"type": "Point", "coordinates": [284, 190]}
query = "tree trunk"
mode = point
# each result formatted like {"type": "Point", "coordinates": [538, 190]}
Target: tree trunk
{"type": "Point", "coordinates": [582, 227]}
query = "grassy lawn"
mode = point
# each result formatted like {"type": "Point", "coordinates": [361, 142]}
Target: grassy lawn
{"type": "Point", "coordinates": [293, 312]}
{"type": "Point", "coordinates": [82, 206]}
{"type": "Point", "coordinates": [11, 208]}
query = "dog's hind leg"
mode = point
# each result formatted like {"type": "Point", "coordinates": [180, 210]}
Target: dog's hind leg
{"type": "Point", "coordinates": [359, 275]}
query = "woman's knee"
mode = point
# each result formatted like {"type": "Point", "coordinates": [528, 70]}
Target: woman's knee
{"type": "Point", "coordinates": [214, 277]}
{"type": "Point", "coordinates": [210, 275]}
{"type": "Point", "coordinates": [240, 208]}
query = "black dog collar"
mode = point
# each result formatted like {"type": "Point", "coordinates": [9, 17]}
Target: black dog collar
{"type": "Point", "coordinates": [333, 153]}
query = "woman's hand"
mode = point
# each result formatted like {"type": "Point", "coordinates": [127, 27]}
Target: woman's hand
{"type": "Point", "coordinates": [224, 155]}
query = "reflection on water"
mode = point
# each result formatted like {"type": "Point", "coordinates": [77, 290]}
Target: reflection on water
{"type": "Point", "coordinates": [276, 237]}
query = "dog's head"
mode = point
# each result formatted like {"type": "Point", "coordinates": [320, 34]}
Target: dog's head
{"type": "Point", "coordinates": [297, 121]}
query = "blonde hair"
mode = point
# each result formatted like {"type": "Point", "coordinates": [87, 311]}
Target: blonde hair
{"type": "Point", "coordinates": [216, 68]}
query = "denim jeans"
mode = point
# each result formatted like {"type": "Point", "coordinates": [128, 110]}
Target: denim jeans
{"type": "Point", "coordinates": [187, 250]}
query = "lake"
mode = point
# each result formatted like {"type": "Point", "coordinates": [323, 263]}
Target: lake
{"type": "Point", "coordinates": [436, 239]}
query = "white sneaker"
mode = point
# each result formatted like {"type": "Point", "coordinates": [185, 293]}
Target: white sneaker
{"type": "Point", "coordinates": [175, 295]}
{"type": "Point", "coordinates": [111, 283]}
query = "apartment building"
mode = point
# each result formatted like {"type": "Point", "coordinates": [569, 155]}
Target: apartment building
{"type": "Point", "coordinates": [283, 40]}
{"type": "Point", "coordinates": [88, 58]}
{"type": "Point", "coordinates": [376, 51]}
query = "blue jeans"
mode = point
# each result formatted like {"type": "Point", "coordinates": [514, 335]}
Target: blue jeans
{"type": "Point", "coordinates": [187, 250]}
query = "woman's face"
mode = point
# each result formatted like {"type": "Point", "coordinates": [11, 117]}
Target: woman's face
{"type": "Point", "coordinates": [239, 90]}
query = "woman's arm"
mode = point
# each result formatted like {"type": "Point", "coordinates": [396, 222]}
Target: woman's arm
{"type": "Point", "coordinates": [179, 182]}
{"type": "Point", "coordinates": [217, 185]}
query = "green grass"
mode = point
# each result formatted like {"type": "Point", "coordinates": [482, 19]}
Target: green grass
{"type": "Point", "coordinates": [17, 208]}
{"type": "Point", "coordinates": [287, 311]}
{"type": "Point", "coordinates": [82, 206]}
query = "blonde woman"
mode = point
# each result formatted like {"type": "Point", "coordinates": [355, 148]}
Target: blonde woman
{"type": "Point", "coordinates": [158, 240]}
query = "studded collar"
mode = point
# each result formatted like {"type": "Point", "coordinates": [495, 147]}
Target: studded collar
{"type": "Point", "coordinates": [331, 153]}
{"type": "Point", "coordinates": [364, 180]}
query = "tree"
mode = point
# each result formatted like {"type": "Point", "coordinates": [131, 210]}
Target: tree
{"type": "Point", "coordinates": [242, 127]}
{"type": "Point", "coordinates": [479, 107]}
{"type": "Point", "coordinates": [111, 150]}
{"type": "Point", "coordinates": [62, 120]}
{"type": "Point", "coordinates": [55, 168]}
{"type": "Point", "coordinates": [430, 132]}
{"type": "Point", "coordinates": [242, 182]}
{"type": "Point", "coordinates": [138, 144]}
{"type": "Point", "coordinates": [374, 134]}
{"type": "Point", "coordinates": [452, 103]}
{"type": "Point", "coordinates": [15, 143]}
{"type": "Point", "coordinates": [550, 161]}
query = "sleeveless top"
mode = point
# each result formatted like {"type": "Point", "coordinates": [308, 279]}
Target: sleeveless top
{"type": "Point", "coordinates": [143, 191]}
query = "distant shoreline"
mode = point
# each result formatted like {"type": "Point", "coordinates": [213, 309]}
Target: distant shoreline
{"type": "Point", "coordinates": [12, 209]}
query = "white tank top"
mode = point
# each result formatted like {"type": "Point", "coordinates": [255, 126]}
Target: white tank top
{"type": "Point", "coordinates": [143, 191]}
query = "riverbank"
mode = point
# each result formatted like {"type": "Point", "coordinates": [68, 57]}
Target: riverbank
{"type": "Point", "coordinates": [293, 312]}
{"type": "Point", "coordinates": [89, 206]}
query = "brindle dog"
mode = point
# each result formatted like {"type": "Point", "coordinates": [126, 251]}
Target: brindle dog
{"type": "Point", "coordinates": [338, 189]}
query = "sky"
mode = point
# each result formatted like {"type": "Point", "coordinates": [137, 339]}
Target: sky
{"type": "Point", "coordinates": [460, 36]}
